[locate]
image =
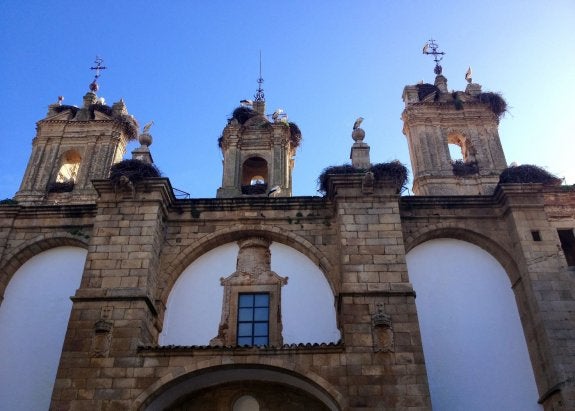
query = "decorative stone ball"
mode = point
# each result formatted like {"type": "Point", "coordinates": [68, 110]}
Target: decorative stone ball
{"type": "Point", "coordinates": [358, 135]}
{"type": "Point", "coordinates": [145, 139]}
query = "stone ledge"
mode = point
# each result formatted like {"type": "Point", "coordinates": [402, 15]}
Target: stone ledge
{"type": "Point", "coordinates": [286, 349]}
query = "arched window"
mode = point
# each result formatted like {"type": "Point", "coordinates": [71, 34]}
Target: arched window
{"type": "Point", "coordinates": [69, 166]}
{"type": "Point", "coordinates": [257, 180]}
{"type": "Point", "coordinates": [246, 403]}
{"type": "Point", "coordinates": [462, 155]}
{"type": "Point", "coordinates": [193, 314]}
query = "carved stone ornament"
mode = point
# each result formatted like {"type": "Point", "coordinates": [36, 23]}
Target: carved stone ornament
{"type": "Point", "coordinates": [383, 340]}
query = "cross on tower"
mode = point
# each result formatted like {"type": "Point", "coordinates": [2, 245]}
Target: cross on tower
{"type": "Point", "coordinates": [437, 55]}
{"type": "Point", "coordinates": [260, 91]}
{"type": "Point", "coordinates": [94, 84]}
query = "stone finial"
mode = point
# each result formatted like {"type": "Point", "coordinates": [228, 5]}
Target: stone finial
{"type": "Point", "coordinates": [473, 89]}
{"type": "Point", "coordinates": [119, 108]}
{"type": "Point", "coordinates": [142, 153]}
{"type": "Point", "coordinates": [89, 99]}
{"type": "Point", "coordinates": [260, 106]}
{"type": "Point", "coordinates": [359, 150]}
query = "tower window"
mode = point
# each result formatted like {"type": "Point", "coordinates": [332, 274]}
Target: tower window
{"type": "Point", "coordinates": [257, 180]}
{"type": "Point", "coordinates": [536, 235]}
{"type": "Point", "coordinates": [253, 319]}
{"type": "Point", "coordinates": [568, 245]}
{"type": "Point", "coordinates": [69, 167]}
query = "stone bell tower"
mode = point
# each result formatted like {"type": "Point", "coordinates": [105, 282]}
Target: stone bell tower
{"type": "Point", "coordinates": [258, 151]}
{"type": "Point", "coordinates": [435, 118]}
{"type": "Point", "coordinates": [73, 146]}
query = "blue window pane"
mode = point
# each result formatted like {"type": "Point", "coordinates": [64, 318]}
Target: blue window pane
{"type": "Point", "coordinates": [246, 314]}
{"type": "Point", "coordinates": [260, 340]}
{"type": "Point", "coordinates": [244, 330]}
{"type": "Point", "coordinates": [262, 300]}
{"type": "Point", "coordinates": [246, 300]}
{"type": "Point", "coordinates": [244, 340]}
{"type": "Point", "coordinates": [260, 329]}
{"type": "Point", "coordinates": [261, 314]}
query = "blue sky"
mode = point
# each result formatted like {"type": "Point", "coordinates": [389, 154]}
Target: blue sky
{"type": "Point", "coordinates": [187, 64]}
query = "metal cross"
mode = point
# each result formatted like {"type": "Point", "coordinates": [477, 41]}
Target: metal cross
{"type": "Point", "coordinates": [437, 55]}
{"type": "Point", "coordinates": [98, 67]}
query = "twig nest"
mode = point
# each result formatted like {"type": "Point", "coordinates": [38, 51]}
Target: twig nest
{"type": "Point", "coordinates": [358, 135]}
{"type": "Point", "coordinates": [145, 139]}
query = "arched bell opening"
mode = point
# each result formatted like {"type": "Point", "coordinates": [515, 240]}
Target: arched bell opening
{"type": "Point", "coordinates": [254, 176]}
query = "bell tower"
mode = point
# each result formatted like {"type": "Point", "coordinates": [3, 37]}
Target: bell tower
{"type": "Point", "coordinates": [435, 118]}
{"type": "Point", "coordinates": [258, 151]}
{"type": "Point", "coordinates": [73, 146]}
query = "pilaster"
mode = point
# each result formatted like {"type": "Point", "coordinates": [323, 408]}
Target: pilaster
{"type": "Point", "coordinates": [115, 309]}
{"type": "Point", "coordinates": [544, 292]}
{"type": "Point", "coordinates": [380, 328]}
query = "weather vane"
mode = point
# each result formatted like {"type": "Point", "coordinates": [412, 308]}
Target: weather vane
{"type": "Point", "coordinates": [94, 84]}
{"type": "Point", "coordinates": [437, 55]}
{"type": "Point", "coordinates": [259, 96]}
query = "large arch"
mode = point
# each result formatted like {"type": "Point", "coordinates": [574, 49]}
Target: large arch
{"type": "Point", "coordinates": [474, 345]}
{"type": "Point", "coordinates": [236, 232]}
{"type": "Point", "coordinates": [194, 306]}
{"type": "Point", "coordinates": [168, 390]}
{"type": "Point", "coordinates": [450, 230]}
{"type": "Point", "coordinates": [25, 251]}
{"type": "Point", "coordinates": [34, 317]}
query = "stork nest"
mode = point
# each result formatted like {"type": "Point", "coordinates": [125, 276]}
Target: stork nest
{"type": "Point", "coordinates": [243, 114]}
{"type": "Point", "coordinates": [463, 169]}
{"type": "Point", "coordinates": [526, 174]}
{"type": "Point", "coordinates": [425, 89]}
{"type": "Point", "coordinates": [60, 187]}
{"type": "Point", "coordinates": [393, 171]}
{"type": "Point", "coordinates": [134, 170]}
{"type": "Point", "coordinates": [496, 103]}
{"type": "Point", "coordinates": [295, 134]}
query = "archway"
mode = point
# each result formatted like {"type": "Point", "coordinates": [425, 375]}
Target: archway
{"type": "Point", "coordinates": [224, 385]}
{"type": "Point", "coordinates": [194, 306]}
{"type": "Point", "coordinates": [475, 350]}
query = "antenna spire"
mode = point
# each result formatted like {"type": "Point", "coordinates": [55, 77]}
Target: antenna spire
{"type": "Point", "coordinates": [437, 55]}
{"type": "Point", "coordinates": [94, 84]}
{"type": "Point", "coordinates": [259, 96]}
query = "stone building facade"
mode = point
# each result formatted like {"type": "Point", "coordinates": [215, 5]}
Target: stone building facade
{"type": "Point", "coordinates": [140, 238]}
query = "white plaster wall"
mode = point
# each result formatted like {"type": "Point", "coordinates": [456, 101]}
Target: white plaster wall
{"type": "Point", "coordinates": [474, 346]}
{"type": "Point", "coordinates": [33, 320]}
{"type": "Point", "coordinates": [194, 306]}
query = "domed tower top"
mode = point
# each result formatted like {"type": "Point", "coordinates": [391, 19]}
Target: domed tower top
{"type": "Point", "coordinates": [75, 145]}
{"type": "Point", "coordinates": [258, 150]}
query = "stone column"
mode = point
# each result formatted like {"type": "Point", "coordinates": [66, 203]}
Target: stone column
{"type": "Point", "coordinates": [544, 291]}
{"type": "Point", "coordinates": [385, 365]}
{"type": "Point", "coordinates": [114, 310]}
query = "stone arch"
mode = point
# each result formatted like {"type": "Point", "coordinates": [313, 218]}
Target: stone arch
{"type": "Point", "coordinates": [255, 165]}
{"type": "Point", "coordinates": [461, 139]}
{"type": "Point", "coordinates": [231, 234]}
{"type": "Point", "coordinates": [173, 386]}
{"type": "Point", "coordinates": [449, 230]}
{"type": "Point", "coordinates": [68, 166]}
{"type": "Point", "coordinates": [17, 257]}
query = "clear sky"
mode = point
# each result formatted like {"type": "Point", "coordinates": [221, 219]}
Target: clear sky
{"type": "Point", "coordinates": [187, 64]}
